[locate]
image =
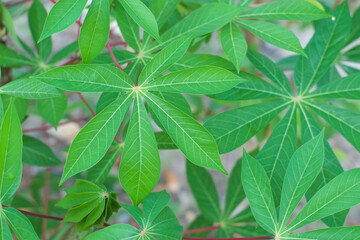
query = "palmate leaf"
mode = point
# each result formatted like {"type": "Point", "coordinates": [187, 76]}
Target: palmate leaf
{"type": "Point", "coordinates": [64, 52]}
{"type": "Point", "coordinates": [116, 232]}
{"type": "Point", "coordinates": [339, 233]}
{"type": "Point", "coordinates": [294, 10]}
{"type": "Point", "coordinates": [52, 109]}
{"type": "Point", "coordinates": [19, 224]}
{"type": "Point", "coordinates": [62, 15]}
{"type": "Point", "coordinates": [10, 58]}
{"type": "Point", "coordinates": [162, 10]}
{"type": "Point", "coordinates": [87, 78]}
{"type": "Point", "coordinates": [197, 80]}
{"type": "Point", "coordinates": [197, 60]}
{"type": "Point", "coordinates": [274, 34]}
{"type": "Point", "coordinates": [95, 30]}
{"type": "Point", "coordinates": [233, 128]}
{"type": "Point", "coordinates": [4, 229]}
{"type": "Point", "coordinates": [93, 141]}
{"type": "Point", "coordinates": [193, 140]}
{"type": "Point", "coordinates": [140, 164]}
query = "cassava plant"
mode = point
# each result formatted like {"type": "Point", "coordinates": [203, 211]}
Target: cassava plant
{"type": "Point", "coordinates": [142, 65]}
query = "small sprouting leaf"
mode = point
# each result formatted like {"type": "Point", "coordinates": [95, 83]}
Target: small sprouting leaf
{"type": "Point", "coordinates": [87, 78]}
{"type": "Point", "coordinates": [197, 80]}
{"type": "Point", "coordinates": [93, 141]}
{"type": "Point", "coordinates": [10, 58]}
{"type": "Point", "coordinates": [37, 153]}
{"type": "Point", "coordinates": [62, 15]}
{"type": "Point", "coordinates": [95, 30]}
{"type": "Point", "coordinates": [19, 224]}
{"type": "Point", "coordinates": [203, 188]}
{"type": "Point", "coordinates": [52, 109]}
{"type": "Point", "coordinates": [140, 164]}
{"type": "Point", "coordinates": [258, 190]}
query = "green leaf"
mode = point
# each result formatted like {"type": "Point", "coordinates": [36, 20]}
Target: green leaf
{"type": "Point", "coordinates": [339, 194]}
{"type": "Point", "coordinates": [303, 168]}
{"type": "Point", "coordinates": [345, 121]}
{"type": "Point", "coordinates": [347, 87]}
{"type": "Point", "coordinates": [154, 204]}
{"type": "Point", "coordinates": [64, 52]}
{"type": "Point", "coordinates": [115, 232]}
{"type": "Point", "coordinates": [258, 191]}
{"type": "Point", "coordinates": [235, 192]}
{"type": "Point", "coordinates": [277, 151]}
{"type": "Point", "coordinates": [10, 153]}
{"type": "Point", "coordinates": [63, 14]}
{"type": "Point", "coordinates": [355, 28]}
{"type": "Point", "coordinates": [140, 164]}
{"type": "Point", "coordinates": [20, 225]}
{"type": "Point", "coordinates": [353, 55]}
{"type": "Point", "coordinates": [165, 59]}
{"type": "Point", "coordinates": [197, 80]}
{"type": "Point", "coordinates": [274, 34]}
{"type": "Point", "coordinates": [162, 10]}
{"type": "Point", "coordinates": [270, 70]}
{"type": "Point", "coordinates": [203, 188]}
{"type": "Point", "coordinates": [93, 141]}
{"type": "Point", "coordinates": [193, 140]}
{"type": "Point", "coordinates": [142, 16]}
{"type": "Point", "coordinates": [234, 127]}
{"type": "Point", "coordinates": [339, 233]}
{"type": "Point", "coordinates": [234, 44]}
{"type": "Point", "coordinates": [166, 225]}
{"type": "Point", "coordinates": [323, 48]}
{"type": "Point", "coordinates": [200, 222]}
{"type": "Point", "coordinates": [10, 58]}
{"type": "Point", "coordinates": [4, 229]}
{"type": "Point", "coordinates": [196, 60]}
{"type": "Point", "coordinates": [52, 109]}
{"type": "Point", "coordinates": [95, 30]}
{"type": "Point", "coordinates": [87, 78]}
{"type": "Point", "coordinates": [37, 153]}
{"type": "Point", "coordinates": [164, 141]}
{"type": "Point", "coordinates": [29, 88]}
{"type": "Point", "coordinates": [37, 15]}
{"type": "Point", "coordinates": [294, 10]}
{"type": "Point", "coordinates": [245, 3]}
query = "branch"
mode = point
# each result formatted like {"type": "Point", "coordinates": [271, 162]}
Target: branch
{"type": "Point", "coordinates": [199, 230]}
{"type": "Point", "coordinates": [47, 127]}
{"type": "Point", "coordinates": [8, 5]}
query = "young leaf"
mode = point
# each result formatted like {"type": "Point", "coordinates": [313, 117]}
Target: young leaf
{"type": "Point", "coordinates": [193, 140]}
{"type": "Point", "coordinates": [303, 168]}
{"type": "Point", "coordinates": [10, 153]}
{"type": "Point", "coordinates": [87, 78]}
{"type": "Point", "coordinates": [339, 194]}
{"type": "Point", "coordinates": [258, 190]}
{"type": "Point", "coordinates": [197, 80]}
{"type": "Point", "coordinates": [274, 34]}
{"type": "Point", "coordinates": [204, 191]}
{"type": "Point", "coordinates": [294, 10]}
{"type": "Point", "coordinates": [233, 128]}
{"type": "Point", "coordinates": [20, 225]}
{"type": "Point", "coordinates": [115, 232]}
{"type": "Point", "coordinates": [93, 141]}
{"type": "Point", "coordinates": [95, 30]}
{"type": "Point", "coordinates": [52, 109]}
{"type": "Point", "coordinates": [234, 44]}
{"type": "Point", "coordinates": [37, 153]}
{"type": "Point", "coordinates": [140, 162]}
{"type": "Point", "coordinates": [165, 59]}
{"type": "Point", "coordinates": [339, 233]}
{"type": "Point", "coordinates": [62, 15]}
{"type": "Point", "coordinates": [10, 58]}
{"type": "Point", "coordinates": [142, 16]}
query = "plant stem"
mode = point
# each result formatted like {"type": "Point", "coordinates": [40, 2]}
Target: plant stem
{"type": "Point", "coordinates": [87, 104]}
{"type": "Point", "coordinates": [199, 230]}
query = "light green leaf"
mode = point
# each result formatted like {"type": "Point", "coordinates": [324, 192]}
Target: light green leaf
{"type": "Point", "coordinates": [165, 59]}
{"type": "Point", "coordinates": [339, 233]}
{"type": "Point", "coordinates": [258, 191]}
{"type": "Point", "coordinates": [37, 153]}
{"type": "Point", "coordinates": [197, 80]}
{"type": "Point", "coordinates": [234, 127]}
{"type": "Point", "coordinates": [95, 30]}
{"type": "Point", "coordinates": [162, 10]}
{"type": "Point", "coordinates": [234, 44]}
{"type": "Point", "coordinates": [303, 168]}
{"type": "Point", "coordinates": [153, 204]}
{"type": "Point", "coordinates": [87, 78]}
{"type": "Point", "coordinates": [29, 88]}
{"type": "Point", "coordinates": [245, 3]}
{"type": "Point", "coordinates": [166, 225]}
{"type": "Point", "coordinates": [140, 164]}
{"type": "Point", "coordinates": [37, 15]}
{"type": "Point", "coordinates": [115, 232]}
{"type": "Point", "coordinates": [193, 140]}
{"type": "Point", "coordinates": [341, 193]}
{"type": "Point", "coordinates": [294, 10]}
{"type": "Point", "coordinates": [10, 153]}
{"type": "Point", "coordinates": [347, 87]}
{"type": "Point", "coordinates": [323, 48]}
{"type": "Point", "coordinates": [63, 14]}
{"type": "Point", "coordinates": [142, 16]}
{"type": "Point", "coordinates": [52, 109]}
{"type": "Point", "coordinates": [20, 225]}
{"type": "Point", "coordinates": [345, 121]}
{"type": "Point", "coordinates": [203, 188]}
{"type": "Point", "coordinates": [270, 70]}
{"type": "Point", "coordinates": [199, 222]}
{"type": "Point", "coordinates": [64, 52]}
{"type": "Point", "coordinates": [4, 229]}
{"type": "Point", "coordinates": [164, 141]}
{"type": "Point", "coordinates": [122, 56]}
{"type": "Point", "coordinates": [277, 151]}
{"type": "Point", "coordinates": [10, 58]}
{"type": "Point", "coordinates": [197, 60]}
{"type": "Point", "coordinates": [274, 34]}
{"type": "Point", "coordinates": [93, 141]}
{"type": "Point", "coordinates": [355, 31]}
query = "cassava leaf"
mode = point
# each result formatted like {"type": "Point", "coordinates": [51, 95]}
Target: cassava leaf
{"type": "Point", "coordinates": [52, 109]}
{"type": "Point", "coordinates": [20, 225]}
